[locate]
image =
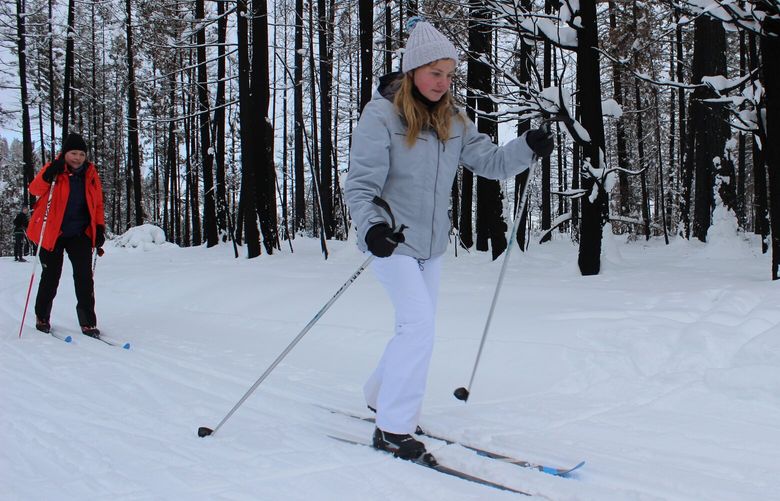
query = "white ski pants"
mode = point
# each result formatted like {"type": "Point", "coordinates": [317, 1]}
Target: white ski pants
{"type": "Point", "coordinates": [397, 386]}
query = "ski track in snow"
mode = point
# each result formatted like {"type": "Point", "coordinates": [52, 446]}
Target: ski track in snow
{"type": "Point", "coordinates": [661, 372]}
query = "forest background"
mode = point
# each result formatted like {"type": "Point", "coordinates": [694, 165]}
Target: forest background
{"type": "Point", "coordinates": [230, 121]}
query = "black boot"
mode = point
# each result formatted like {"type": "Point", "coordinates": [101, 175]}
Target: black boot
{"type": "Point", "coordinates": [402, 446]}
{"type": "Point", "coordinates": [90, 331]}
{"type": "Point", "coordinates": [43, 325]}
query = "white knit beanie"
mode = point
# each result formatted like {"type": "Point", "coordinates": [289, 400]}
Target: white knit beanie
{"type": "Point", "coordinates": [426, 44]}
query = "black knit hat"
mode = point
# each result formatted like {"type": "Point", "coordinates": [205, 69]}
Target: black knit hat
{"type": "Point", "coordinates": [74, 142]}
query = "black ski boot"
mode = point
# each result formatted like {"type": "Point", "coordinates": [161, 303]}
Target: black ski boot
{"type": "Point", "coordinates": [90, 331]}
{"type": "Point", "coordinates": [402, 446]}
{"type": "Point", "coordinates": [43, 325]}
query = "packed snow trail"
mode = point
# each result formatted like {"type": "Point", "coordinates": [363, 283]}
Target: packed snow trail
{"type": "Point", "coordinates": [661, 372]}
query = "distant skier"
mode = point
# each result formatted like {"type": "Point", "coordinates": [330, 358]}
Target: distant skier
{"type": "Point", "coordinates": [20, 224]}
{"type": "Point", "coordinates": [406, 149]}
{"type": "Point", "coordinates": [76, 224]}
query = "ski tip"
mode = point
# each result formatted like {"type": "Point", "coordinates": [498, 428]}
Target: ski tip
{"type": "Point", "coordinates": [561, 472]}
{"type": "Point", "coordinates": [126, 346]}
{"type": "Point", "coordinates": [68, 339]}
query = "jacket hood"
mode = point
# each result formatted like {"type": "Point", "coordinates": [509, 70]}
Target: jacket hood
{"type": "Point", "coordinates": [389, 84]}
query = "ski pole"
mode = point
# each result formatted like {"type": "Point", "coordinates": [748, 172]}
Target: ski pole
{"type": "Point", "coordinates": [463, 393]}
{"type": "Point", "coordinates": [37, 253]}
{"type": "Point", "coordinates": [98, 253]}
{"type": "Point", "coordinates": [205, 431]}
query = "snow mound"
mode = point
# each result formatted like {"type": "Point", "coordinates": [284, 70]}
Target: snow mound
{"type": "Point", "coordinates": [724, 238]}
{"type": "Point", "coordinates": [146, 237]}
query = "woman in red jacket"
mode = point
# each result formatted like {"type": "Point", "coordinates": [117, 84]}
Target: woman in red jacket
{"type": "Point", "coordinates": [76, 225]}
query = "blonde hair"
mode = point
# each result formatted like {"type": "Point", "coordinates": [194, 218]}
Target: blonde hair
{"type": "Point", "coordinates": [418, 116]}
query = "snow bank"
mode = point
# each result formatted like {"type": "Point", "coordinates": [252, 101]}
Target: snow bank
{"type": "Point", "coordinates": [146, 237]}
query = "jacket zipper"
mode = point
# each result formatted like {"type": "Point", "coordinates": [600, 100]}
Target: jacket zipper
{"type": "Point", "coordinates": [435, 186]}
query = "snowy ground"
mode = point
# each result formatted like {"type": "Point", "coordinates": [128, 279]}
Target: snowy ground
{"type": "Point", "coordinates": [663, 373]}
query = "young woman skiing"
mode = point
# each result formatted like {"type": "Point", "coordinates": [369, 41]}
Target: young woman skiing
{"type": "Point", "coordinates": [75, 225]}
{"type": "Point", "coordinates": [406, 149]}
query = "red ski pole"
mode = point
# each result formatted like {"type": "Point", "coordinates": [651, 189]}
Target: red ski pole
{"type": "Point", "coordinates": [37, 254]}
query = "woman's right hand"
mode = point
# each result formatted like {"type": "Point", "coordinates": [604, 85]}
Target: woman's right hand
{"type": "Point", "coordinates": [382, 240]}
{"type": "Point", "coordinates": [56, 168]}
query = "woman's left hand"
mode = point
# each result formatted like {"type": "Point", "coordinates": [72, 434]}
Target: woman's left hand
{"type": "Point", "coordinates": [540, 141]}
{"type": "Point", "coordinates": [100, 236]}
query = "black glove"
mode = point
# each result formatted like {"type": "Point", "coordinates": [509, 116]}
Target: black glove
{"type": "Point", "coordinates": [100, 236]}
{"type": "Point", "coordinates": [540, 141]}
{"type": "Point", "coordinates": [382, 240]}
{"type": "Point", "coordinates": [56, 168]}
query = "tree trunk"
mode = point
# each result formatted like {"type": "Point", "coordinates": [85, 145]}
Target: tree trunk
{"type": "Point", "coordinates": [491, 228]}
{"type": "Point", "coordinates": [761, 211]}
{"type": "Point", "coordinates": [595, 202]}
{"type": "Point", "coordinates": [545, 161]}
{"type": "Point", "coordinates": [710, 127]}
{"type": "Point", "coordinates": [388, 35]}
{"type": "Point", "coordinates": [326, 117]}
{"type": "Point", "coordinates": [248, 154]}
{"type": "Point", "coordinates": [27, 148]}
{"type": "Point", "coordinates": [661, 200]}
{"type": "Point", "coordinates": [206, 148]}
{"type": "Point", "coordinates": [741, 143]}
{"type": "Point", "coordinates": [67, 81]}
{"type": "Point", "coordinates": [300, 182]}
{"type": "Point", "coordinates": [51, 82]}
{"type": "Point", "coordinates": [263, 132]}
{"type": "Point", "coordinates": [686, 155]}
{"type": "Point", "coordinates": [770, 47]}
{"type": "Point", "coordinates": [366, 14]}
{"type": "Point", "coordinates": [170, 164]}
{"type": "Point", "coordinates": [624, 202]}
{"type": "Point", "coordinates": [524, 69]}
{"type": "Point", "coordinates": [132, 120]}
{"type": "Point", "coordinates": [219, 123]}
{"type": "Point", "coordinates": [641, 152]}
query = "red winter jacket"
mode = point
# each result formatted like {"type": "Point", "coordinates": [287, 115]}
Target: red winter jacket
{"type": "Point", "coordinates": [59, 200]}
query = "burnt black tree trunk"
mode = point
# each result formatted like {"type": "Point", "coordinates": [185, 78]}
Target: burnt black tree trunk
{"type": "Point", "coordinates": [206, 149]}
{"type": "Point", "coordinates": [27, 149]}
{"type": "Point", "coordinates": [132, 119]}
{"type": "Point", "coordinates": [366, 15]}
{"type": "Point", "coordinates": [594, 204]}
{"type": "Point", "coordinates": [524, 70]}
{"type": "Point", "coordinates": [247, 124]}
{"type": "Point", "coordinates": [326, 117]}
{"type": "Point", "coordinates": [760, 202]}
{"type": "Point", "coordinates": [51, 80]}
{"type": "Point", "coordinates": [66, 83]}
{"type": "Point", "coordinates": [686, 155]}
{"type": "Point", "coordinates": [263, 132]}
{"type": "Point", "coordinates": [624, 207]}
{"type": "Point", "coordinates": [710, 123]}
{"type": "Point", "coordinates": [388, 35]}
{"type": "Point", "coordinates": [640, 128]}
{"type": "Point", "coordinates": [545, 161]}
{"type": "Point", "coordinates": [219, 122]}
{"type": "Point", "coordinates": [299, 207]}
{"type": "Point", "coordinates": [491, 228]}
{"type": "Point", "coordinates": [770, 48]}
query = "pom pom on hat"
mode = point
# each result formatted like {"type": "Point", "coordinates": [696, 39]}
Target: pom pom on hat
{"type": "Point", "coordinates": [426, 44]}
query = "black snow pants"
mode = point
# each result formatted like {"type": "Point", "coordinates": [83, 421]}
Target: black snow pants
{"type": "Point", "coordinates": [79, 249]}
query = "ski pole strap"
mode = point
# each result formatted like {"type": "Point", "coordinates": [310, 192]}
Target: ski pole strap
{"type": "Point", "coordinates": [384, 205]}
{"type": "Point", "coordinates": [398, 230]}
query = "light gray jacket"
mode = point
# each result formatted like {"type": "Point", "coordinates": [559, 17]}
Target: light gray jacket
{"type": "Point", "coordinates": [417, 182]}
